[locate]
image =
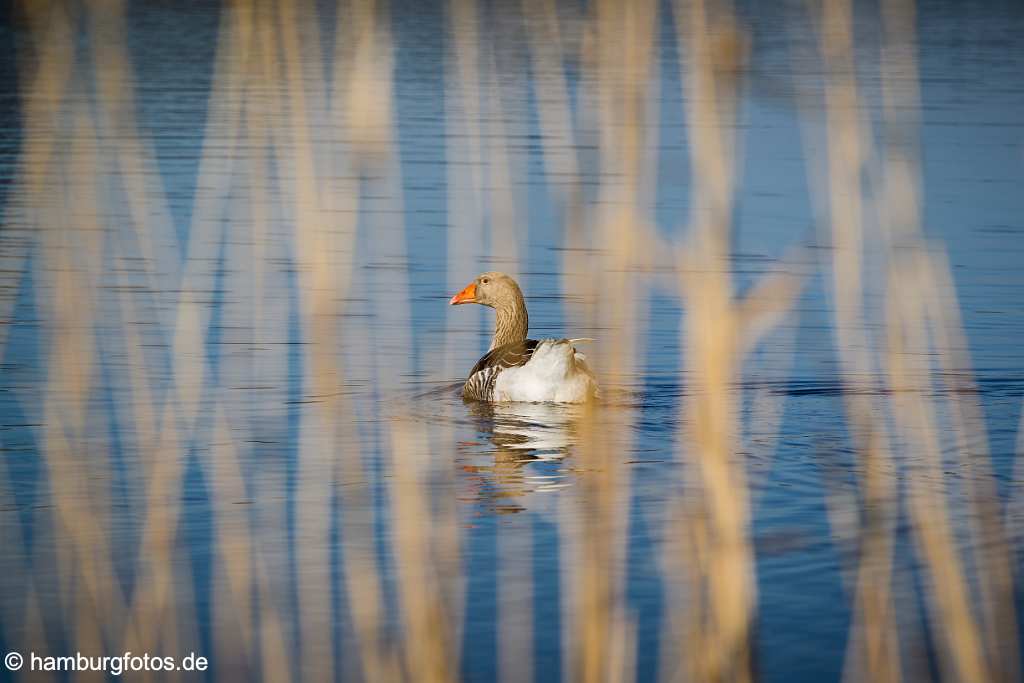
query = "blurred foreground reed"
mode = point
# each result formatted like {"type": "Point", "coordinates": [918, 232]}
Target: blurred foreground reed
{"type": "Point", "coordinates": [334, 540]}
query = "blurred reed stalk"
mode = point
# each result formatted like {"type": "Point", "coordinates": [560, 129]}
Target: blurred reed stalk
{"type": "Point", "coordinates": [919, 318]}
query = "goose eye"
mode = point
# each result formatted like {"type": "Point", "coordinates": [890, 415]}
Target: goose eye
{"type": "Point", "coordinates": [484, 281]}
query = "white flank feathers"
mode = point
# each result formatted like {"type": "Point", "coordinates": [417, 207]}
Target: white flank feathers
{"type": "Point", "coordinates": [555, 372]}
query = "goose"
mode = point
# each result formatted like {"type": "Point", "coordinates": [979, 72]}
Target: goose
{"type": "Point", "coordinates": [516, 368]}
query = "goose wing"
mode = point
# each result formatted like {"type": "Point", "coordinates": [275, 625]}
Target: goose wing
{"type": "Point", "coordinates": [480, 385]}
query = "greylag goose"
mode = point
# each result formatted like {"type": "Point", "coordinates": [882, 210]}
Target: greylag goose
{"type": "Point", "coordinates": [516, 368]}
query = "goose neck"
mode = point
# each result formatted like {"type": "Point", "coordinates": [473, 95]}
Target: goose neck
{"type": "Point", "coordinates": [510, 324]}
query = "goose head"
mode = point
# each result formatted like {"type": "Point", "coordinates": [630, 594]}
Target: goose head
{"type": "Point", "coordinates": [500, 292]}
{"type": "Point", "coordinates": [493, 289]}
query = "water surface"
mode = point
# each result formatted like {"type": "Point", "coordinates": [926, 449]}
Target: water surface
{"type": "Point", "coordinates": [514, 472]}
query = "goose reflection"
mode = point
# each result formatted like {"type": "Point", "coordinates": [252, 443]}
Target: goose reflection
{"type": "Point", "coordinates": [529, 446]}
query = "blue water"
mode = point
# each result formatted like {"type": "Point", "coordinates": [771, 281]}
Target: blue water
{"type": "Point", "coordinates": [514, 470]}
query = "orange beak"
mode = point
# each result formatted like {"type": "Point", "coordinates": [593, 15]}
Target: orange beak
{"type": "Point", "coordinates": [466, 296]}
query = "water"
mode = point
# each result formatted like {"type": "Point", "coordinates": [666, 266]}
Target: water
{"type": "Point", "coordinates": [514, 472]}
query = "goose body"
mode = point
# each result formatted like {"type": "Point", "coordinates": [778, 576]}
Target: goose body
{"type": "Point", "coordinates": [516, 368]}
